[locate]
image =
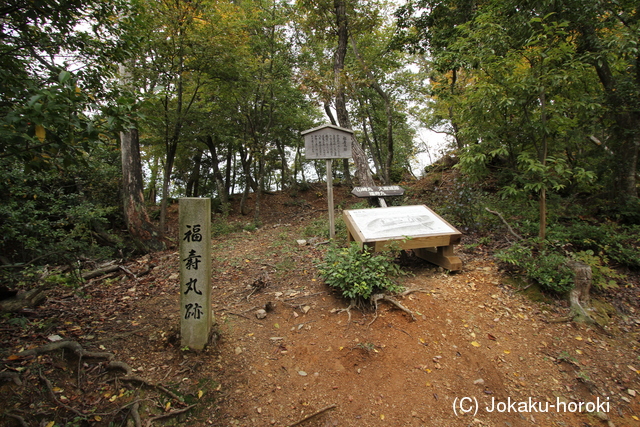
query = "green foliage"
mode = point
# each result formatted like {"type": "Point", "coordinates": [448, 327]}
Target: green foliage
{"type": "Point", "coordinates": [524, 88]}
{"type": "Point", "coordinates": [359, 273]}
{"type": "Point", "coordinates": [548, 268]}
{"type": "Point", "coordinates": [618, 243]}
{"type": "Point", "coordinates": [57, 217]}
{"type": "Point", "coordinates": [320, 228]}
{"type": "Point", "coordinates": [222, 227]}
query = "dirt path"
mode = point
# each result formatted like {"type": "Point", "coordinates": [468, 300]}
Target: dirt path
{"type": "Point", "coordinates": [474, 337]}
{"type": "Point", "coordinates": [477, 343]}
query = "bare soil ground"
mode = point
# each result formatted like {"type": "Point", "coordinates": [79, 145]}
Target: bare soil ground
{"type": "Point", "coordinates": [479, 343]}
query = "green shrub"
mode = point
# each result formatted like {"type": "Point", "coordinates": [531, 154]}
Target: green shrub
{"type": "Point", "coordinates": [618, 243]}
{"type": "Point", "coordinates": [359, 273]}
{"type": "Point", "coordinates": [52, 217]}
{"type": "Point", "coordinates": [222, 227]}
{"type": "Point", "coordinates": [548, 268]}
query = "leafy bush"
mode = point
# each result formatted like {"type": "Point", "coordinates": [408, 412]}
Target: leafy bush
{"type": "Point", "coordinates": [619, 243]}
{"type": "Point", "coordinates": [549, 268]}
{"type": "Point", "coordinates": [359, 273]}
{"type": "Point", "coordinates": [56, 217]}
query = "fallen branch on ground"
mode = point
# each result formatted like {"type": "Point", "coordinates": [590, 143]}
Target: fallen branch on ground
{"type": "Point", "coordinates": [308, 417]}
{"type": "Point", "coordinates": [29, 299]}
{"type": "Point", "coordinates": [101, 272]}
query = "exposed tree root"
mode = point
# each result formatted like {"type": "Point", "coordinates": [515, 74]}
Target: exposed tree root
{"type": "Point", "coordinates": [11, 376]}
{"type": "Point", "coordinates": [53, 397]}
{"type": "Point", "coordinates": [129, 377]}
{"type": "Point", "coordinates": [112, 365]}
{"type": "Point", "coordinates": [352, 304]}
{"type": "Point", "coordinates": [412, 290]}
{"type": "Point", "coordinates": [388, 298]}
{"type": "Point", "coordinates": [69, 345]}
{"type": "Point", "coordinates": [18, 418]}
{"type": "Point", "coordinates": [135, 415]}
{"type": "Point", "coordinates": [168, 414]}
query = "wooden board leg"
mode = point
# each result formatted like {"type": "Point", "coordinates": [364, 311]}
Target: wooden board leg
{"type": "Point", "coordinates": [442, 256]}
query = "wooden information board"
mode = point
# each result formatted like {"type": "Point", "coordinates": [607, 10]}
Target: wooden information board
{"type": "Point", "coordinates": [327, 142]}
{"type": "Point", "coordinates": [410, 227]}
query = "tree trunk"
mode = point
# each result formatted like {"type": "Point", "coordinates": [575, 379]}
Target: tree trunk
{"type": "Point", "coordinates": [258, 193]}
{"type": "Point", "coordinates": [221, 188]}
{"type": "Point", "coordinates": [135, 212]}
{"type": "Point", "coordinates": [386, 166]}
{"type": "Point", "coordinates": [193, 183]}
{"type": "Point", "coordinates": [152, 192]}
{"type": "Point", "coordinates": [359, 157]}
{"type": "Point", "coordinates": [625, 115]}
{"type": "Point", "coordinates": [285, 179]}
{"type": "Point", "coordinates": [542, 233]}
{"type": "Point", "coordinates": [166, 179]}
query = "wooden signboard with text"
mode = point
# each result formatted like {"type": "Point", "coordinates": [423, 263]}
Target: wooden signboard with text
{"type": "Point", "coordinates": [384, 191]}
{"type": "Point", "coordinates": [410, 227]}
{"type": "Point", "coordinates": [328, 142]}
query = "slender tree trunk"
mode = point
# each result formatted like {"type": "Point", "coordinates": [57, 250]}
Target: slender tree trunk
{"type": "Point", "coordinates": [452, 117]}
{"type": "Point", "coordinates": [166, 180]}
{"type": "Point", "coordinates": [359, 157]}
{"type": "Point", "coordinates": [284, 179]}
{"type": "Point", "coordinates": [135, 212]}
{"type": "Point", "coordinates": [388, 162]}
{"type": "Point", "coordinates": [228, 182]}
{"type": "Point", "coordinates": [221, 188]}
{"type": "Point", "coordinates": [258, 193]}
{"type": "Point", "coordinates": [625, 115]}
{"type": "Point", "coordinates": [152, 192]}
{"type": "Point", "coordinates": [193, 183]}
{"type": "Point", "coordinates": [542, 234]}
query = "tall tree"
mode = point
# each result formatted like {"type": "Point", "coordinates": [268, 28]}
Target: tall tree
{"type": "Point", "coordinates": [592, 42]}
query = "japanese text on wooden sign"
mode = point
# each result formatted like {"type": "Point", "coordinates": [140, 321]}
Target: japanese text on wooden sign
{"type": "Point", "coordinates": [327, 142]}
{"type": "Point", "coordinates": [388, 190]}
{"type": "Point", "coordinates": [195, 272]}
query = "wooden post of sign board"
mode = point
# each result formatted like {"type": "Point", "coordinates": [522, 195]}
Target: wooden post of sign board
{"type": "Point", "coordinates": [328, 142]}
{"type": "Point", "coordinates": [332, 221]}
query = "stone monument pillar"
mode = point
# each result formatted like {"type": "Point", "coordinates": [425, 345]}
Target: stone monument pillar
{"type": "Point", "coordinates": [195, 272]}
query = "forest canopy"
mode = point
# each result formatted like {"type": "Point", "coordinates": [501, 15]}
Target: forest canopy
{"type": "Point", "coordinates": [111, 109]}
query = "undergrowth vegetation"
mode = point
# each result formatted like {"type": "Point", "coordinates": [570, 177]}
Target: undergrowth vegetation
{"type": "Point", "coordinates": [577, 229]}
{"type": "Point", "coordinates": [57, 217]}
{"type": "Point", "coordinates": [357, 273]}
